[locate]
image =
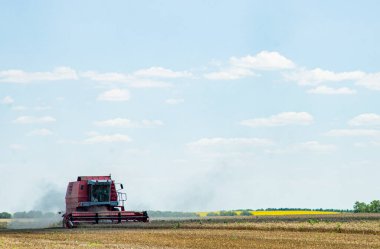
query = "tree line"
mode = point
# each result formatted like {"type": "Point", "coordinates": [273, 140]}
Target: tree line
{"type": "Point", "coordinates": [359, 207]}
{"type": "Point", "coordinates": [372, 207]}
{"type": "Point", "coordinates": [307, 209]}
{"type": "Point", "coordinates": [29, 214]}
{"type": "Point", "coordinates": [34, 214]}
{"type": "Point", "coordinates": [171, 214]}
{"type": "Point", "coordinates": [245, 212]}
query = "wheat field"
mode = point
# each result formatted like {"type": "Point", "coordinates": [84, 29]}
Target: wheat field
{"type": "Point", "coordinates": [185, 238]}
{"type": "Point", "coordinates": [314, 232]}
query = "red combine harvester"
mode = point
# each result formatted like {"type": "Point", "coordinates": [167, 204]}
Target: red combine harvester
{"type": "Point", "coordinates": [95, 199]}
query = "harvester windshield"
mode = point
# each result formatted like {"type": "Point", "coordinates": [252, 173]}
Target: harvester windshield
{"type": "Point", "coordinates": [99, 191]}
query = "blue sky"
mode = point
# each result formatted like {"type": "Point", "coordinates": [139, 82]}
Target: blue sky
{"type": "Point", "coordinates": [194, 106]}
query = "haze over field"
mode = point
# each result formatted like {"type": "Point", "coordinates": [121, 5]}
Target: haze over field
{"type": "Point", "coordinates": [193, 106]}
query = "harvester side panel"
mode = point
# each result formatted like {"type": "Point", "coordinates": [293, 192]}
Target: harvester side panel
{"type": "Point", "coordinates": [77, 192]}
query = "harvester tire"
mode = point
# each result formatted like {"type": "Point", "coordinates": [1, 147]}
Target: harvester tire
{"type": "Point", "coordinates": [67, 223]}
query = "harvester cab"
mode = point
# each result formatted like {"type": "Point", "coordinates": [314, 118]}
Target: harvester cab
{"type": "Point", "coordinates": [95, 199]}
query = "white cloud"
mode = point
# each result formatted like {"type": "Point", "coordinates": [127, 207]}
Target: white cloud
{"type": "Point", "coordinates": [281, 119]}
{"type": "Point", "coordinates": [20, 76]}
{"type": "Point", "coordinates": [370, 81]}
{"type": "Point", "coordinates": [332, 91]}
{"type": "Point", "coordinates": [140, 79]}
{"type": "Point", "coordinates": [365, 119]}
{"type": "Point", "coordinates": [19, 108]}
{"type": "Point", "coordinates": [92, 133]}
{"type": "Point", "coordinates": [236, 149]}
{"type": "Point", "coordinates": [68, 141]}
{"type": "Point", "coordinates": [161, 72]}
{"type": "Point", "coordinates": [229, 143]}
{"type": "Point", "coordinates": [16, 147]}
{"type": "Point", "coordinates": [367, 144]}
{"type": "Point", "coordinates": [42, 108]}
{"type": "Point", "coordinates": [115, 95]}
{"type": "Point", "coordinates": [174, 101]}
{"type": "Point", "coordinates": [265, 60]}
{"type": "Point", "coordinates": [34, 120]}
{"type": "Point", "coordinates": [35, 108]}
{"type": "Point", "coordinates": [117, 122]}
{"type": "Point", "coordinates": [131, 81]}
{"type": "Point", "coordinates": [310, 146]}
{"type": "Point", "coordinates": [230, 74]}
{"type": "Point", "coordinates": [238, 67]}
{"type": "Point", "coordinates": [244, 66]}
{"type": "Point", "coordinates": [106, 77]}
{"type": "Point", "coordinates": [127, 123]}
{"type": "Point", "coordinates": [137, 152]}
{"type": "Point", "coordinates": [316, 146]}
{"type": "Point", "coordinates": [41, 132]}
{"type": "Point", "coordinates": [148, 83]}
{"type": "Point", "coordinates": [107, 139]}
{"type": "Point", "coordinates": [353, 133]}
{"type": "Point", "coordinates": [7, 100]}
{"type": "Point", "coordinates": [317, 76]}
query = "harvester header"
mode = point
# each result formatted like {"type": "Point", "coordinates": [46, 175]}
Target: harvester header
{"type": "Point", "coordinates": [95, 199]}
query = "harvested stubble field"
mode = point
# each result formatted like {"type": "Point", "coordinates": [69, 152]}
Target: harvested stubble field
{"type": "Point", "coordinates": [336, 231]}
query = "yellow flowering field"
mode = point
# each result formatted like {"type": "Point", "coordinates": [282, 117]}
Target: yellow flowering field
{"type": "Point", "coordinates": [275, 212]}
{"type": "Point", "coordinates": [290, 212]}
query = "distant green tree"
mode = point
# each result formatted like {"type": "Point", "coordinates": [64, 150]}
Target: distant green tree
{"type": "Point", "coordinates": [227, 213]}
{"type": "Point", "coordinates": [30, 214]}
{"type": "Point", "coordinates": [245, 213]}
{"type": "Point", "coordinates": [360, 207]}
{"type": "Point", "coordinates": [306, 209]}
{"type": "Point", "coordinates": [19, 215]}
{"type": "Point", "coordinates": [49, 215]}
{"type": "Point", "coordinates": [5, 215]}
{"type": "Point", "coordinates": [374, 206]}
{"type": "Point", "coordinates": [212, 214]}
{"type": "Point", "coordinates": [161, 214]}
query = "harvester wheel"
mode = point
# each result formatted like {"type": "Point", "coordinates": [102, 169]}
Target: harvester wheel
{"type": "Point", "coordinates": [67, 223]}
